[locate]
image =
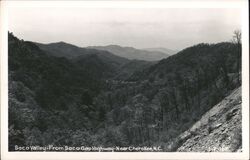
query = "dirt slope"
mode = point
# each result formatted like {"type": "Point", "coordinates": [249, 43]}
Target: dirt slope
{"type": "Point", "coordinates": [219, 130]}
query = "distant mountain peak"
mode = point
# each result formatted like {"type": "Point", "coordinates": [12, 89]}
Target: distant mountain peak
{"type": "Point", "coordinates": [61, 43]}
{"type": "Point", "coordinates": [112, 45]}
{"type": "Point", "coordinates": [132, 53]}
{"type": "Point", "coordinates": [163, 50]}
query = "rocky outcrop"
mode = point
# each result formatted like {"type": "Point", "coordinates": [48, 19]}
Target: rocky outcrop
{"type": "Point", "coordinates": [219, 130]}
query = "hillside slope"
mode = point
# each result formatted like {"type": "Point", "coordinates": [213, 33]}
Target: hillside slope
{"type": "Point", "coordinates": [133, 66]}
{"type": "Point", "coordinates": [218, 130]}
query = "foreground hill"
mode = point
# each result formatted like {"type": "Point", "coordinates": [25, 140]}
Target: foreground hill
{"type": "Point", "coordinates": [218, 130]}
{"type": "Point", "coordinates": [55, 81]}
{"type": "Point", "coordinates": [162, 101]}
{"type": "Point", "coordinates": [132, 53]}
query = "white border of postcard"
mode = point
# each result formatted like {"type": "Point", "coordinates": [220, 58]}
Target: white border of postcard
{"type": "Point", "coordinates": [240, 4]}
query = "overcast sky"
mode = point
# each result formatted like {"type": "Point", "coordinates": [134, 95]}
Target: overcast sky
{"type": "Point", "coordinates": [140, 28]}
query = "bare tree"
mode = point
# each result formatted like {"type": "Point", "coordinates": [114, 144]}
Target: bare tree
{"type": "Point", "coordinates": [237, 40]}
{"type": "Point", "coordinates": [237, 37]}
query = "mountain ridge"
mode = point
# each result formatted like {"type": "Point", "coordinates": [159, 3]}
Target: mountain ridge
{"type": "Point", "coordinates": [163, 50]}
{"type": "Point", "coordinates": [67, 50]}
{"type": "Point", "coordinates": [132, 53]}
{"type": "Point", "coordinates": [64, 49]}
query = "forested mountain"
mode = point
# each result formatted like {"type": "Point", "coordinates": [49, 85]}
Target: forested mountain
{"type": "Point", "coordinates": [95, 100]}
{"type": "Point", "coordinates": [133, 66]}
{"type": "Point", "coordinates": [62, 49]}
{"type": "Point", "coordinates": [121, 67]}
{"type": "Point", "coordinates": [43, 89]}
{"type": "Point", "coordinates": [133, 53]}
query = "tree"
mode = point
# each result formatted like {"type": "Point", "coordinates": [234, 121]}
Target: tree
{"type": "Point", "coordinates": [198, 82]}
{"type": "Point", "coordinates": [237, 41]}
{"type": "Point", "coordinates": [164, 103]}
{"type": "Point", "coordinates": [184, 89]}
{"type": "Point", "coordinates": [174, 102]}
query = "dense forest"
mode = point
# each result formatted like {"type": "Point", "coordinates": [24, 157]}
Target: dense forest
{"type": "Point", "coordinates": [96, 98]}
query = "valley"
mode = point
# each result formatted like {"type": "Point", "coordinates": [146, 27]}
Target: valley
{"type": "Point", "coordinates": [61, 94]}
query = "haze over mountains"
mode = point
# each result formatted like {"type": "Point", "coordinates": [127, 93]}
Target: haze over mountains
{"type": "Point", "coordinates": [163, 50]}
{"type": "Point", "coordinates": [62, 49]}
{"type": "Point", "coordinates": [133, 53]}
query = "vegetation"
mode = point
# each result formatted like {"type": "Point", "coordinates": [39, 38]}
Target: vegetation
{"type": "Point", "coordinates": [81, 100]}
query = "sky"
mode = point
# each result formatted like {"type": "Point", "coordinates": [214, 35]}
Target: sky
{"type": "Point", "coordinates": [136, 27]}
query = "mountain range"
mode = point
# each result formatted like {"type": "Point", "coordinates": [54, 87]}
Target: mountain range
{"type": "Point", "coordinates": [163, 50]}
{"type": "Point", "coordinates": [62, 94]}
{"type": "Point", "coordinates": [62, 49]}
{"type": "Point", "coordinates": [133, 53]}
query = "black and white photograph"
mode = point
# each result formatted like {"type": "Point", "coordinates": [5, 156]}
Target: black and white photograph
{"type": "Point", "coordinates": [124, 77]}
